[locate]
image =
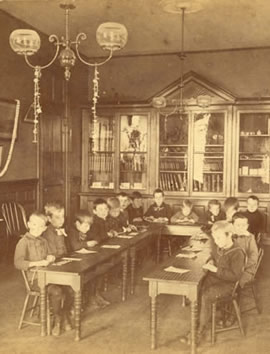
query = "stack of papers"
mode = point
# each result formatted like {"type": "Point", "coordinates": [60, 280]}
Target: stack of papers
{"type": "Point", "coordinates": [192, 248]}
{"type": "Point", "coordinates": [176, 270]}
{"type": "Point", "coordinates": [186, 255]}
{"type": "Point", "coordinates": [111, 246]}
{"type": "Point", "coordinates": [65, 260]}
{"type": "Point", "coordinates": [133, 233]}
{"type": "Point", "coordinates": [85, 251]}
{"type": "Point", "coordinates": [124, 236]}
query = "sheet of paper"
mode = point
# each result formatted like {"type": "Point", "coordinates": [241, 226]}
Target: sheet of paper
{"type": "Point", "coordinates": [133, 233]}
{"type": "Point", "coordinates": [111, 246]}
{"type": "Point", "coordinates": [186, 255]}
{"type": "Point", "coordinates": [70, 259]}
{"type": "Point", "coordinates": [59, 263]}
{"type": "Point", "coordinates": [176, 270]}
{"type": "Point", "coordinates": [192, 248]}
{"type": "Point", "coordinates": [124, 236]}
{"type": "Point", "coordinates": [85, 251]}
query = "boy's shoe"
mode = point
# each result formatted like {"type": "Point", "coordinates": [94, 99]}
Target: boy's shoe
{"type": "Point", "coordinates": [101, 301]}
{"type": "Point", "coordinates": [67, 324]}
{"type": "Point", "coordinates": [94, 304]}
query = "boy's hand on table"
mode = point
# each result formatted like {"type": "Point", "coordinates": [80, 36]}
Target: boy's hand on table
{"type": "Point", "coordinates": [91, 243]}
{"type": "Point", "coordinates": [112, 233]}
{"type": "Point", "coordinates": [133, 227]}
{"type": "Point", "coordinates": [50, 258]}
{"type": "Point", "coordinates": [43, 263]}
{"type": "Point", "coordinates": [149, 218]}
{"type": "Point", "coordinates": [162, 220]}
{"type": "Point", "coordinates": [138, 220]}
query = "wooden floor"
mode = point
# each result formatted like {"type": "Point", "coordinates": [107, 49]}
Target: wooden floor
{"type": "Point", "coordinates": [123, 328]}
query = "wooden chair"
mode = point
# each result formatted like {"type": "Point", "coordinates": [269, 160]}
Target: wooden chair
{"type": "Point", "coordinates": [249, 289]}
{"type": "Point", "coordinates": [35, 295]}
{"type": "Point", "coordinates": [228, 304]}
{"type": "Point", "coordinates": [15, 220]}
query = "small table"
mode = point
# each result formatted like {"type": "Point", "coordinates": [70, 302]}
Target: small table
{"type": "Point", "coordinates": [78, 273]}
{"type": "Point", "coordinates": [187, 284]}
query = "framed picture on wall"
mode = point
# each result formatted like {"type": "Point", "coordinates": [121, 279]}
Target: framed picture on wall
{"type": "Point", "coordinates": [7, 117]}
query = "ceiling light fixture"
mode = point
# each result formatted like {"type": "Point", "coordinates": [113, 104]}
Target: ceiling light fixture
{"type": "Point", "coordinates": [110, 36]}
{"type": "Point", "coordinates": [180, 7]}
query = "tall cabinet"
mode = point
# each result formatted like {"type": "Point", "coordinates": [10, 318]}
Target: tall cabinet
{"type": "Point", "coordinates": [205, 153]}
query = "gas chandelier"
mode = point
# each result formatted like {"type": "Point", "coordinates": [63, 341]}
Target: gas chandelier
{"type": "Point", "coordinates": [181, 7]}
{"type": "Point", "coordinates": [110, 36]}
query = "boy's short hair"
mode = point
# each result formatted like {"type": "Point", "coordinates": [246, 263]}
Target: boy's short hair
{"type": "Point", "coordinates": [82, 215]}
{"type": "Point", "coordinates": [113, 203]}
{"type": "Point", "coordinates": [223, 225]}
{"type": "Point", "coordinates": [98, 201]}
{"type": "Point", "coordinates": [254, 197]}
{"type": "Point", "coordinates": [239, 215]}
{"type": "Point", "coordinates": [38, 214]}
{"type": "Point", "coordinates": [188, 203]}
{"type": "Point", "coordinates": [158, 190]}
{"type": "Point", "coordinates": [136, 195]}
{"type": "Point", "coordinates": [231, 202]}
{"type": "Point", "coordinates": [214, 202]}
{"type": "Point", "coordinates": [52, 207]}
{"type": "Point", "coordinates": [122, 194]}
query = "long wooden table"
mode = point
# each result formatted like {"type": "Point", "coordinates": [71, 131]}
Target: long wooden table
{"type": "Point", "coordinates": [187, 284]}
{"type": "Point", "coordinates": [79, 272]}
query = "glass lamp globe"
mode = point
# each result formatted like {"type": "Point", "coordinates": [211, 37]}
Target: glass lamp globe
{"type": "Point", "coordinates": [24, 41]}
{"type": "Point", "coordinates": [112, 36]}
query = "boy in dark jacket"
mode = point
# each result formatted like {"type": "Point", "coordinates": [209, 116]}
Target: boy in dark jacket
{"type": "Point", "coordinates": [78, 237]}
{"type": "Point", "coordinates": [159, 211]}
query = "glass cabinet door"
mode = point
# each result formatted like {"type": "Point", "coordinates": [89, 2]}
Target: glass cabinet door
{"type": "Point", "coordinates": [208, 152]}
{"type": "Point", "coordinates": [254, 152]}
{"type": "Point", "coordinates": [101, 153]}
{"type": "Point", "coordinates": [173, 152]}
{"type": "Point", "coordinates": [133, 151]}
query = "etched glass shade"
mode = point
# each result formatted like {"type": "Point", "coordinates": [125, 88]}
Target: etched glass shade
{"type": "Point", "coordinates": [24, 41]}
{"type": "Point", "coordinates": [111, 36]}
{"type": "Point", "coordinates": [176, 6]}
{"type": "Point", "coordinates": [159, 102]}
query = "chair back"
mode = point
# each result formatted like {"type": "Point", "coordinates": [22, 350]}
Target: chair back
{"type": "Point", "coordinates": [260, 257]}
{"type": "Point", "coordinates": [15, 219]}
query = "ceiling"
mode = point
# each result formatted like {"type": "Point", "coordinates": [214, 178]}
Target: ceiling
{"type": "Point", "coordinates": [219, 25]}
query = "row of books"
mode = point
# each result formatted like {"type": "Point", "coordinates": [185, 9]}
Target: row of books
{"type": "Point", "coordinates": [172, 165]}
{"type": "Point", "coordinates": [101, 162]}
{"type": "Point", "coordinates": [211, 183]}
{"type": "Point", "coordinates": [173, 181]}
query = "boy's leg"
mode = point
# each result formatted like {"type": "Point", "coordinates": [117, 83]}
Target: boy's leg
{"type": "Point", "coordinates": [56, 297]}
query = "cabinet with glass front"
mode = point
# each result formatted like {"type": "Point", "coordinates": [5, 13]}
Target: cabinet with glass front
{"type": "Point", "coordinates": [253, 162]}
{"type": "Point", "coordinates": [192, 152]}
{"type": "Point", "coordinates": [115, 151]}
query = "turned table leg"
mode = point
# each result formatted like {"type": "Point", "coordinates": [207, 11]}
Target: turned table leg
{"type": "Point", "coordinates": [43, 311]}
{"type": "Point", "coordinates": [77, 305]}
{"type": "Point", "coordinates": [153, 321]}
{"type": "Point", "coordinates": [193, 329]}
{"type": "Point", "coordinates": [124, 280]}
{"type": "Point", "coordinates": [132, 270]}
{"type": "Point", "coordinates": [158, 247]}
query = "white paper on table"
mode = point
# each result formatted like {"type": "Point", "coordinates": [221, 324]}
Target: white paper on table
{"type": "Point", "coordinates": [111, 246]}
{"type": "Point", "coordinates": [124, 236]}
{"type": "Point", "coordinates": [192, 249]}
{"type": "Point", "coordinates": [133, 233]}
{"type": "Point", "coordinates": [70, 259]}
{"type": "Point", "coordinates": [85, 251]}
{"type": "Point", "coordinates": [186, 255]}
{"type": "Point", "coordinates": [176, 270]}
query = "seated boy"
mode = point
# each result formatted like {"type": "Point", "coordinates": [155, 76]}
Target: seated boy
{"type": "Point", "coordinates": [255, 218]}
{"type": "Point", "coordinates": [159, 211]}
{"type": "Point", "coordinates": [57, 238]}
{"type": "Point", "coordinates": [231, 206]}
{"type": "Point", "coordinates": [135, 209]}
{"type": "Point", "coordinates": [32, 251]}
{"type": "Point", "coordinates": [77, 235]}
{"type": "Point", "coordinates": [116, 220]}
{"type": "Point", "coordinates": [124, 204]}
{"type": "Point", "coordinates": [186, 214]}
{"type": "Point", "coordinates": [223, 273]}
{"type": "Point", "coordinates": [213, 214]}
{"type": "Point", "coordinates": [246, 241]}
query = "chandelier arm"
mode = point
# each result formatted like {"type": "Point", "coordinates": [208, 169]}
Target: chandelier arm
{"type": "Point", "coordinates": [52, 38]}
{"type": "Point", "coordinates": [82, 36]}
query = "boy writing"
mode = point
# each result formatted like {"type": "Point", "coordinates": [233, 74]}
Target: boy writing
{"type": "Point", "coordinates": [213, 214]}
{"type": "Point", "coordinates": [32, 251]}
{"type": "Point", "coordinates": [78, 237]}
{"type": "Point", "coordinates": [159, 211]}
{"type": "Point", "coordinates": [186, 214]}
{"type": "Point", "coordinates": [246, 241]}
{"type": "Point", "coordinates": [116, 220]}
{"type": "Point", "coordinates": [124, 203]}
{"type": "Point", "coordinates": [223, 272]}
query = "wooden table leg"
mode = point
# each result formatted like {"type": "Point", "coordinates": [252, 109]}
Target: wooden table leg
{"type": "Point", "coordinates": [77, 305]}
{"type": "Point", "coordinates": [132, 269]}
{"type": "Point", "coordinates": [193, 329]}
{"type": "Point", "coordinates": [153, 321]}
{"type": "Point", "coordinates": [158, 247]}
{"type": "Point", "coordinates": [43, 311]}
{"type": "Point", "coordinates": [124, 280]}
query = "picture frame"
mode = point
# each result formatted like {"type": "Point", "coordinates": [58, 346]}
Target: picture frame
{"type": "Point", "coordinates": [7, 117]}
